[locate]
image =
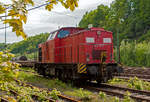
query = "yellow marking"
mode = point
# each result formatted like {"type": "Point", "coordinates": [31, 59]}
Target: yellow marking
{"type": "Point", "coordinates": [78, 68]}
{"type": "Point", "coordinates": [82, 67]}
{"type": "Point", "coordinates": [84, 70]}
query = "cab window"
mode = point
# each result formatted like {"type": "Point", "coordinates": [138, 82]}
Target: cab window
{"type": "Point", "coordinates": [63, 33]}
{"type": "Point", "coordinates": [52, 36]}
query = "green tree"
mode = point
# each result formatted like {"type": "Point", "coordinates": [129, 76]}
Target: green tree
{"type": "Point", "coordinates": [130, 17]}
{"type": "Point", "coordinates": [29, 45]}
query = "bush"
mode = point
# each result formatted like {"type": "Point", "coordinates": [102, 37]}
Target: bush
{"type": "Point", "coordinates": [8, 69]}
{"type": "Point", "coordinates": [135, 54]}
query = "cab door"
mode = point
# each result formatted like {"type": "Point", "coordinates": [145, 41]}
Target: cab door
{"type": "Point", "coordinates": [50, 46]}
{"type": "Point", "coordinates": [61, 46]}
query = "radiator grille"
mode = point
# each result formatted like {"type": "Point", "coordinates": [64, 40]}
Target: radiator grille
{"type": "Point", "coordinates": [97, 54]}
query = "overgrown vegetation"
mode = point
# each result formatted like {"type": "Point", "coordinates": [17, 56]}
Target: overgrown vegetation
{"type": "Point", "coordinates": [135, 54]}
{"type": "Point", "coordinates": [67, 89]}
{"type": "Point", "coordinates": [25, 94]}
{"type": "Point", "coordinates": [15, 92]}
{"type": "Point", "coordinates": [8, 70]}
{"type": "Point", "coordinates": [105, 98]}
{"type": "Point", "coordinates": [133, 83]}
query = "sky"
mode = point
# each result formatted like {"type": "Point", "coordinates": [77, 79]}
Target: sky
{"type": "Point", "coordinates": [41, 20]}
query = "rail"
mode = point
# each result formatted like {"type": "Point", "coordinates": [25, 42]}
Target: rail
{"type": "Point", "coordinates": [121, 92]}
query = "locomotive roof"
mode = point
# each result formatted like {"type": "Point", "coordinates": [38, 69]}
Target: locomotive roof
{"type": "Point", "coordinates": [67, 28]}
{"type": "Point", "coordinates": [93, 28]}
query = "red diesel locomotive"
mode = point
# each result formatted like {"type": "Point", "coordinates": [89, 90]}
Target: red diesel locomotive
{"type": "Point", "coordinates": [78, 54]}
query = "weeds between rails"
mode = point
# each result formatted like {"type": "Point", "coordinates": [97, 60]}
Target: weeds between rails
{"type": "Point", "coordinates": [60, 95]}
{"type": "Point", "coordinates": [16, 93]}
{"type": "Point", "coordinates": [118, 91]}
{"type": "Point", "coordinates": [12, 94]}
{"type": "Point", "coordinates": [127, 78]}
{"type": "Point", "coordinates": [134, 75]}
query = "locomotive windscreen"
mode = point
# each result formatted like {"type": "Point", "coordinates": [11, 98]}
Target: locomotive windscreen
{"type": "Point", "coordinates": [52, 35]}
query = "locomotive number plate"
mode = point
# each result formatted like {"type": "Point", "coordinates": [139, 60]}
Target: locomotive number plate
{"type": "Point", "coordinates": [90, 40]}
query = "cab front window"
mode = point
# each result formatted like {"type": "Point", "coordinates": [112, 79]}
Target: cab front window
{"type": "Point", "coordinates": [63, 33]}
{"type": "Point", "coordinates": [52, 36]}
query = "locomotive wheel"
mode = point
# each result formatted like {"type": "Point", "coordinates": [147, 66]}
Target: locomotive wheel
{"type": "Point", "coordinates": [107, 76]}
{"type": "Point", "coordinates": [58, 74]}
{"type": "Point", "coordinates": [42, 71]}
{"type": "Point", "coordinates": [109, 72]}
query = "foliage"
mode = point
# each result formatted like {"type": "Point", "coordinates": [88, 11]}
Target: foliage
{"type": "Point", "coordinates": [2, 46]}
{"type": "Point", "coordinates": [27, 47]}
{"type": "Point", "coordinates": [102, 96]}
{"type": "Point", "coordinates": [138, 84]}
{"type": "Point", "coordinates": [130, 18]}
{"type": "Point", "coordinates": [135, 54]}
{"type": "Point", "coordinates": [133, 83]}
{"type": "Point", "coordinates": [54, 94]}
{"type": "Point", "coordinates": [127, 97]}
{"type": "Point", "coordinates": [18, 12]}
{"type": "Point", "coordinates": [25, 94]}
{"type": "Point", "coordinates": [85, 95]}
{"type": "Point", "coordinates": [105, 98]}
{"type": "Point", "coordinates": [8, 69]}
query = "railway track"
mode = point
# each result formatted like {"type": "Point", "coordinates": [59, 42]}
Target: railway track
{"type": "Point", "coordinates": [137, 70]}
{"type": "Point", "coordinates": [61, 96]}
{"type": "Point", "coordinates": [26, 63]}
{"type": "Point", "coordinates": [128, 78]}
{"type": "Point", "coordinates": [134, 75]}
{"type": "Point", "coordinates": [3, 99]}
{"type": "Point", "coordinates": [118, 91]}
